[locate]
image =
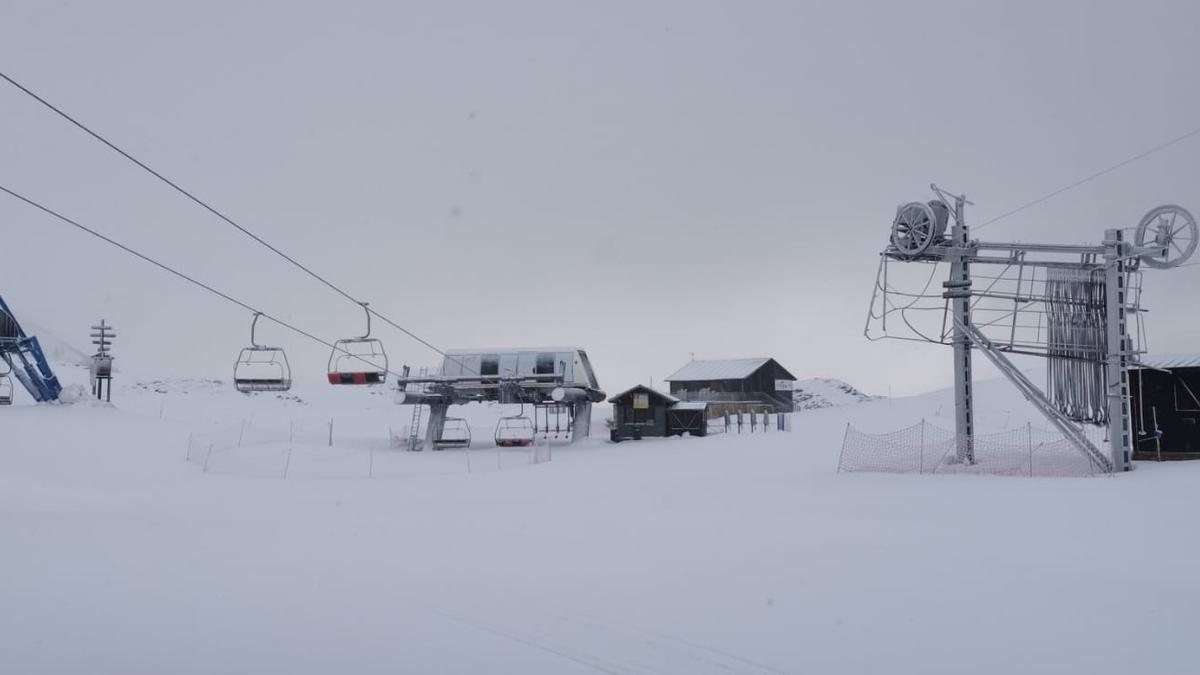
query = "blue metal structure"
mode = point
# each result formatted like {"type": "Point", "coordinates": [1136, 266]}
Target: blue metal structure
{"type": "Point", "coordinates": [24, 356]}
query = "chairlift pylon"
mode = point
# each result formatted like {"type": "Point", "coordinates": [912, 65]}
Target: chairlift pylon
{"type": "Point", "coordinates": [261, 368]}
{"type": "Point", "coordinates": [515, 431]}
{"type": "Point", "coordinates": [359, 360]}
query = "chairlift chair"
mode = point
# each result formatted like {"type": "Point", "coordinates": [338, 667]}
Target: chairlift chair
{"type": "Point", "coordinates": [515, 431]}
{"type": "Point", "coordinates": [6, 385]}
{"type": "Point", "coordinates": [261, 368]}
{"type": "Point", "coordinates": [455, 434]}
{"type": "Point", "coordinates": [359, 360]}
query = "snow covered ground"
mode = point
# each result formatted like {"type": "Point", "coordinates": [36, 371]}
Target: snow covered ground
{"type": "Point", "coordinates": [742, 554]}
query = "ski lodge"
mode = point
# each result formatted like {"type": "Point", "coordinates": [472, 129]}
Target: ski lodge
{"type": "Point", "coordinates": [748, 381]}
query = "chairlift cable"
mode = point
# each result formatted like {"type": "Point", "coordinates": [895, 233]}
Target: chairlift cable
{"type": "Point", "coordinates": [1088, 179]}
{"type": "Point", "coordinates": [212, 210]}
{"type": "Point", "coordinates": [167, 268]}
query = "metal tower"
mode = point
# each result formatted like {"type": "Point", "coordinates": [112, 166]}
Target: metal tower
{"type": "Point", "coordinates": [1070, 304]}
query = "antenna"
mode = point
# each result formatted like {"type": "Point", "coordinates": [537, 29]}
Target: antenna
{"type": "Point", "coordinates": [1068, 303]}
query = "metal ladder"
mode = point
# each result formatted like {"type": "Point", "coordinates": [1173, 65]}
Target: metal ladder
{"type": "Point", "coordinates": [414, 430]}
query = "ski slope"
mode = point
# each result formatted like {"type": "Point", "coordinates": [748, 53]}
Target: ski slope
{"type": "Point", "coordinates": [726, 554]}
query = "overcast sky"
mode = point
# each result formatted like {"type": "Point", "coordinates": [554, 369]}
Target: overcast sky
{"type": "Point", "coordinates": [643, 179]}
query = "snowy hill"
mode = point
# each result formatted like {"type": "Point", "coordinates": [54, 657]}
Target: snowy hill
{"type": "Point", "coordinates": [206, 518]}
{"type": "Point", "coordinates": [57, 350]}
{"type": "Point", "coordinates": [826, 392]}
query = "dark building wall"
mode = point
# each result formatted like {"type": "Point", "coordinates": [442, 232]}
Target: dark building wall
{"type": "Point", "coordinates": [1172, 398]}
{"type": "Point", "coordinates": [689, 421]}
{"type": "Point", "coordinates": [629, 422]}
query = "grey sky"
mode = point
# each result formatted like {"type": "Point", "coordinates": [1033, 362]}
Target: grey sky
{"type": "Point", "coordinates": [642, 179]}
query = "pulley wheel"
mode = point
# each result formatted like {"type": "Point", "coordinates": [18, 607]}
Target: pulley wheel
{"type": "Point", "coordinates": [915, 229]}
{"type": "Point", "coordinates": [1172, 229]}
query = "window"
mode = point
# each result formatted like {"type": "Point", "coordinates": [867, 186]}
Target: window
{"type": "Point", "coordinates": [489, 364]}
{"type": "Point", "coordinates": [545, 364]}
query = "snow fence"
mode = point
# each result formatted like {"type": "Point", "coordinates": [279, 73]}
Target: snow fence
{"type": "Point", "coordinates": [318, 450]}
{"type": "Point", "coordinates": [925, 448]}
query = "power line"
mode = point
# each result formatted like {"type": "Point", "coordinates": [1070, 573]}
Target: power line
{"type": "Point", "coordinates": [167, 268]}
{"type": "Point", "coordinates": [1072, 186]}
{"type": "Point", "coordinates": [206, 206]}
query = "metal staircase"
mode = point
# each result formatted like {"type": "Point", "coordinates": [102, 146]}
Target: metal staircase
{"type": "Point", "coordinates": [24, 356]}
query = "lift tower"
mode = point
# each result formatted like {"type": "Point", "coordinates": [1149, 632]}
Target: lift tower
{"type": "Point", "coordinates": [1072, 304]}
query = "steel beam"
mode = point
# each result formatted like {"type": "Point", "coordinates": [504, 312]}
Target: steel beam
{"type": "Point", "coordinates": [960, 282]}
{"type": "Point", "coordinates": [1117, 364]}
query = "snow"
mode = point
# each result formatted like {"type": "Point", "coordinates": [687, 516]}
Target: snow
{"type": "Point", "coordinates": [744, 554]}
{"type": "Point", "coordinates": [826, 392]}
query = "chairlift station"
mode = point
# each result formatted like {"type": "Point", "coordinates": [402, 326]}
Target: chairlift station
{"type": "Point", "coordinates": [557, 383]}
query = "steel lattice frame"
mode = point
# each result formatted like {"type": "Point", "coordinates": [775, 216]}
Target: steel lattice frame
{"type": "Point", "coordinates": [1070, 304]}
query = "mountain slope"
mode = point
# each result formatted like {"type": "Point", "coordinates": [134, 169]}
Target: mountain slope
{"type": "Point", "coordinates": [826, 392]}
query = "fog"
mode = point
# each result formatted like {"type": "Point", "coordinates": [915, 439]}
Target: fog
{"type": "Point", "coordinates": [647, 180]}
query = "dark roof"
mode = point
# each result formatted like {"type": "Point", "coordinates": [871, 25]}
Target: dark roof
{"type": "Point", "coordinates": [643, 388]}
{"type": "Point", "coordinates": [723, 369]}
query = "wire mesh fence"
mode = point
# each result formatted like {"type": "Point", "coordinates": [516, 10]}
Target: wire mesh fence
{"type": "Point", "coordinates": [298, 450]}
{"type": "Point", "coordinates": [925, 448]}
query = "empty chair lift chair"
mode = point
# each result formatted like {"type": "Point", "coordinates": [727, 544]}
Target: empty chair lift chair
{"type": "Point", "coordinates": [455, 434]}
{"type": "Point", "coordinates": [261, 368]}
{"type": "Point", "coordinates": [6, 389]}
{"type": "Point", "coordinates": [515, 431]}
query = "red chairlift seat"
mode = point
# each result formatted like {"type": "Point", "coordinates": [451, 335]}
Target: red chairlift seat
{"type": "Point", "coordinates": [360, 360]}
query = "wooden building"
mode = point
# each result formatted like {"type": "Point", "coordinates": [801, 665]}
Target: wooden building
{"type": "Point", "coordinates": [1165, 398]}
{"type": "Point", "coordinates": [641, 411]}
{"type": "Point", "coordinates": [760, 380]}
